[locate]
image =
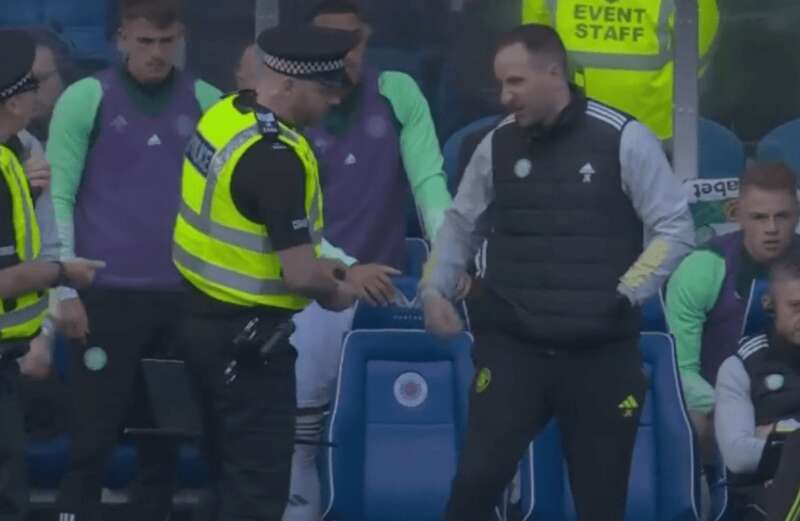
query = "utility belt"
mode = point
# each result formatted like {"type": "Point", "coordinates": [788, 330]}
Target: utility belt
{"type": "Point", "coordinates": [12, 350]}
{"type": "Point", "coordinates": [256, 344]}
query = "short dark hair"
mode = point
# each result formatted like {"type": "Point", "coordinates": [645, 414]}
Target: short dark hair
{"type": "Point", "coordinates": [334, 7]}
{"type": "Point", "coordinates": [769, 176]}
{"type": "Point", "coordinates": [47, 38]}
{"type": "Point", "coordinates": [161, 13]}
{"type": "Point", "coordinates": [538, 39]}
{"type": "Point", "coordinates": [785, 267]}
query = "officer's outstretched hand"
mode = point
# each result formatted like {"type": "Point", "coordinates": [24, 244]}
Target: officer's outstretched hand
{"type": "Point", "coordinates": [373, 283]}
{"type": "Point", "coordinates": [441, 317]}
{"type": "Point", "coordinates": [80, 272]}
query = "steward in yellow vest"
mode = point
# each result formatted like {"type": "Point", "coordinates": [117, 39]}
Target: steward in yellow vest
{"type": "Point", "coordinates": [622, 51]}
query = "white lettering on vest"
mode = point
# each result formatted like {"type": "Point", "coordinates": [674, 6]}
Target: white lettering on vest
{"type": "Point", "coordinates": [200, 153]}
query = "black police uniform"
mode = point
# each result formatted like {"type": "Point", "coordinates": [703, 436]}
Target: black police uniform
{"type": "Point", "coordinates": [250, 421]}
{"type": "Point", "coordinates": [17, 52]}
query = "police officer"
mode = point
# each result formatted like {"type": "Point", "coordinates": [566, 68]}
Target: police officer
{"type": "Point", "coordinates": [23, 278]}
{"type": "Point", "coordinates": [247, 241]}
{"type": "Point", "coordinates": [563, 189]}
{"type": "Point", "coordinates": [758, 408]}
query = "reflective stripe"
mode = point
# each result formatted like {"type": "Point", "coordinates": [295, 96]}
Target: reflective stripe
{"type": "Point", "coordinates": [238, 238]}
{"type": "Point", "coordinates": [246, 240]}
{"type": "Point", "coordinates": [226, 277]}
{"type": "Point", "coordinates": [242, 239]}
{"type": "Point", "coordinates": [28, 215]}
{"type": "Point", "coordinates": [19, 317]}
{"type": "Point", "coordinates": [633, 62]}
{"type": "Point", "coordinates": [289, 134]}
{"type": "Point", "coordinates": [313, 216]}
{"type": "Point", "coordinates": [7, 251]}
{"type": "Point", "coordinates": [218, 162]}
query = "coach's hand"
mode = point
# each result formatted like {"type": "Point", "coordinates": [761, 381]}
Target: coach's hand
{"type": "Point", "coordinates": [441, 317]}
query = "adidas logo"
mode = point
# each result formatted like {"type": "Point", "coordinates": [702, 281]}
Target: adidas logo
{"type": "Point", "coordinates": [628, 406]}
{"type": "Point", "coordinates": [351, 160]}
{"type": "Point", "coordinates": [119, 123]}
{"type": "Point", "coordinates": [587, 171]}
{"type": "Point", "coordinates": [154, 141]}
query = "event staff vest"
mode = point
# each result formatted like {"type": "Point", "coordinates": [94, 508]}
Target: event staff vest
{"type": "Point", "coordinates": [216, 248]}
{"type": "Point", "coordinates": [622, 51]}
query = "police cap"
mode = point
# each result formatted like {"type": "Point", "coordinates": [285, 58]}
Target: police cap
{"type": "Point", "coordinates": [307, 52]}
{"type": "Point", "coordinates": [17, 51]}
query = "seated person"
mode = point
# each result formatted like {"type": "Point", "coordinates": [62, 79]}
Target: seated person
{"type": "Point", "coordinates": [707, 295]}
{"type": "Point", "coordinates": [758, 407]}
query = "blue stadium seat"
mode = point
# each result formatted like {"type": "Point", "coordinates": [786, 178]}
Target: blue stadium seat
{"type": "Point", "coordinates": [781, 144]}
{"type": "Point", "coordinates": [664, 482]}
{"type": "Point", "coordinates": [122, 468]}
{"type": "Point", "coordinates": [47, 462]}
{"type": "Point", "coordinates": [721, 151]}
{"type": "Point", "coordinates": [452, 148]}
{"type": "Point", "coordinates": [417, 252]}
{"type": "Point", "coordinates": [396, 59]}
{"type": "Point", "coordinates": [396, 426]}
{"type": "Point", "coordinates": [757, 319]}
{"type": "Point", "coordinates": [192, 472]}
{"type": "Point", "coordinates": [721, 506]}
{"type": "Point", "coordinates": [85, 25]}
{"type": "Point", "coordinates": [405, 313]}
{"type": "Point", "coordinates": [653, 318]}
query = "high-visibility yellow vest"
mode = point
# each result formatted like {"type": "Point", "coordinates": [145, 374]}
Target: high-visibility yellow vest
{"type": "Point", "coordinates": [622, 50]}
{"type": "Point", "coordinates": [21, 317]}
{"type": "Point", "coordinates": [216, 248]}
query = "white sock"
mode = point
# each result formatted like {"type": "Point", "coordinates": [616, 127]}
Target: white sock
{"type": "Point", "coordinates": [304, 492]}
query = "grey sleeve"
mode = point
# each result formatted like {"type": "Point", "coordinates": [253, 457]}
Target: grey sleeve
{"type": "Point", "coordinates": [659, 200]}
{"type": "Point", "coordinates": [735, 420]}
{"type": "Point", "coordinates": [45, 214]}
{"type": "Point", "coordinates": [465, 225]}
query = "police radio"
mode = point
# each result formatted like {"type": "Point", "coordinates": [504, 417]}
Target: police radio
{"type": "Point", "coordinates": [255, 346]}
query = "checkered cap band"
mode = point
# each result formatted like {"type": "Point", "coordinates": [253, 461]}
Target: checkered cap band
{"type": "Point", "coordinates": [24, 82]}
{"type": "Point", "coordinates": [302, 68]}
